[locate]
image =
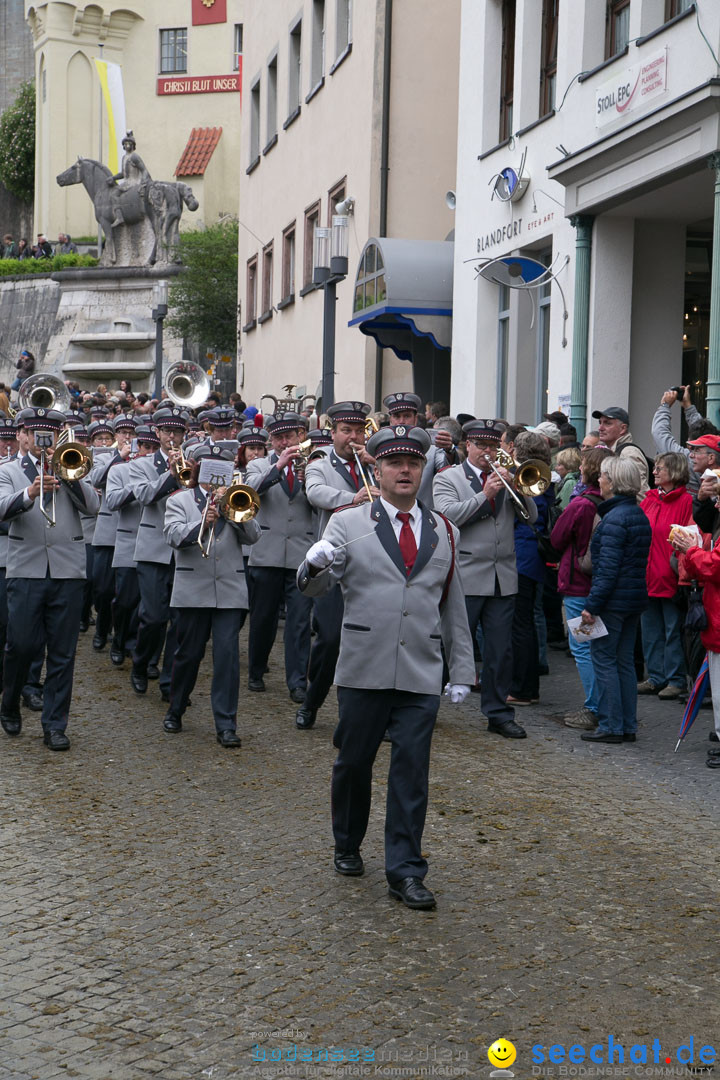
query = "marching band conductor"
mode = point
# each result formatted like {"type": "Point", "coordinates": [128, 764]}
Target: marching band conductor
{"type": "Point", "coordinates": [395, 562]}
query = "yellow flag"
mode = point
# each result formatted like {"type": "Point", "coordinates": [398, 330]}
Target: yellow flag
{"type": "Point", "coordinates": [110, 76]}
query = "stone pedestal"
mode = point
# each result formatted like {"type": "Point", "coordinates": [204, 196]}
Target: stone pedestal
{"type": "Point", "coordinates": [133, 246]}
{"type": "Point", "coordinates": [104, 331]}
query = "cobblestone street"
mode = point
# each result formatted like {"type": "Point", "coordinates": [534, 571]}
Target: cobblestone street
{"type": "Point", "coordinates": [168, 905]}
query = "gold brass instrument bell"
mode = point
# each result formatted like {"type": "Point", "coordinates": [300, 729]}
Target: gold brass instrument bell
{"type": "Point", "coordinates": [187, 386]}
{"type": "Point", "coordinates": [532, 477]}
{"type": "Point", "coordinates": [238, 503]}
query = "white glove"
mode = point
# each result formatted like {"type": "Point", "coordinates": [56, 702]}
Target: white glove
{"type": "Point", "coordinates": [321, 555]}
{"type": "Point", "coordinates": [457, 692]}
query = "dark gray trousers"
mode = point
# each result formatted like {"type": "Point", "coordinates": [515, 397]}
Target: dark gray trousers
{"type": "Point", "coordinates": [495, 615]}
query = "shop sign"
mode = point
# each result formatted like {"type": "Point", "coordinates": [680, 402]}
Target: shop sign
{"type": "Point", "coordinates": [631, 88]}
{"type": "Point", "coordinates": [499, 236]}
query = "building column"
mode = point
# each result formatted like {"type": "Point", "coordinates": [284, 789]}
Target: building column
{"type": "Point", "coordinates": [712, 408]}
{"type": "Point", "coordinates": [583, 224]}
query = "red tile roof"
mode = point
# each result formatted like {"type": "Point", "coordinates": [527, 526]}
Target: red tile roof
{"type": "Point", "coordinates": [199, 150]}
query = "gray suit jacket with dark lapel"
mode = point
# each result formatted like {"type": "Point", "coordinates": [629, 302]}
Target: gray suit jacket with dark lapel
{"type": "Point", "coordinates": [286, 519]}
{"type": "Point", "coordinates": [120, 498]}
{"type": "Point", "coordinates": [219, 580]}
{"type": "Point", "coordinates": [34, 548]}
{"type": "Point", "coordinates": [152, 482]}
{"type": "Point", "coordinates": [487, 538]}
{"type": "Point", "coordinates": [104, 535]}
{"type": "Point", "coordinates": [328, 485]}
{"type": "Point", "coordinates": [393, 624]}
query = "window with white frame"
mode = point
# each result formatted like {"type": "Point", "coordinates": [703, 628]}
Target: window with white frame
{"type": "Point", "coordinates": [343, 26]}
{"type": "Point", "coordinates": [271, 119]}
{"type": "Point", "coordinates": [288, 263]}
{"type": "Point", "coordinates": [237, 46]}
{"type": "Point", "coordinates": [295, 68]}
{"type": "Point", "coordinates": [317, 44]}
{"type": "Point", "coordinates": [617, 18]}
{"type": "Point", "coordinates": [173, 51]}
{"type": "Point", "coordinates": [255, 121]}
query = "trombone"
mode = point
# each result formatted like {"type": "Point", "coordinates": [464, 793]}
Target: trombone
{"type": "Point", "coordinates": [70, 461]}
{"type": "Point", "coordinates": [370, 428]}
{"type": "Point", "coordinates": [532, 477]}
{"type": "Point", "coordinates": [238, 503]}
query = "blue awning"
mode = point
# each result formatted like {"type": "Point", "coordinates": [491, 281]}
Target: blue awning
{"type": "Point", "coordinates": [403, 292]}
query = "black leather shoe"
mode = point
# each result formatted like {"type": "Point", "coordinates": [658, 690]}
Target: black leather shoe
{"type": "Point", "coordinates": [629, 736]}
{"type": "Point", "coordinates": [712, 737]}
{"type": "Point", "coordinates": [305, 718]}
{"type": "Point", "coordinates": [509, 729]}
{"type": "Point", "coordinates": [297, 694]}
{"type": "Point", "coordinates": [601, 736]}
{"type": "Point", "coordinates": [84, 624]}
{"type": "Point", "coordinates": [117, 657]}
{"type": "Point", "coordinates": [11, 725]}
{"type": "Point", "coordinates": [138, 682]}
{"type": "Point", "coordinates": [99, 641]}
{"type": "Point", "coordinates": [413, 893]}
{"type": "Point", "coordinates": [56, 740]}
{"type": "Point", "coordinates": [258, 685]}
{"type": "Point", "coordinates": [153, 672]}
{"type": "Point", "coordinates": [713, 751]}
{"type": "Point", "coordinates": [349, 863]}
{"type": "Point", "coordinates": [713, 763]}
{"type": "Point", "coordinates": [33, 701]}
{"type": "Point", "coordinates": [229, 739]}
{"type": "Point", "coordinates": [172, 723]}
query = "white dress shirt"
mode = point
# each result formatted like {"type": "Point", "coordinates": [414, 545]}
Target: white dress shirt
{"type": "Point", "coordinates": [415, 520]}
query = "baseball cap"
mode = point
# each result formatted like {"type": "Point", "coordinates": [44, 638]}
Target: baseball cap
{"type": "Point", "coordinates": [712, 442]}
{"type": "Point", "coordinates": [613, 413]}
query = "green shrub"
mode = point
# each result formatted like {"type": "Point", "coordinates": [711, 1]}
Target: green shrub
{"type": "Point", "coordinates": [8, 267]}
{"type": "Point", "coordinates": [17, 144]}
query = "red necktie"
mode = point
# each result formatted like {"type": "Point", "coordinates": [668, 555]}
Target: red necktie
{"type": "Point", "coordinates": [290, 477]}
{"type": "Point", "coordinates": [408, 547]}
{"type": "Point", "coordinates": [353, 473]}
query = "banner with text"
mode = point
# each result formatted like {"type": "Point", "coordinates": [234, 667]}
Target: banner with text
{"type": "Point", "coordinates": [631, 88]}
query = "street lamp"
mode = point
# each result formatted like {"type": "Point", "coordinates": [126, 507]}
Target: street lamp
{"type": "Point", "coordinates": [160, 310]}
{"type": "Point", "coordinates": [330, 265]}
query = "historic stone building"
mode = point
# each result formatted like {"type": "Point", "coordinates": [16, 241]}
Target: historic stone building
{"type": "Point", "coordinates": [181, 67]}
{"type": "Point", "coordinates": [348, 101]}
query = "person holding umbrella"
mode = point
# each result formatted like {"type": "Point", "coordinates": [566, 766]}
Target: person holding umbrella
{"type": "Point", "coordinates": [704, 567]}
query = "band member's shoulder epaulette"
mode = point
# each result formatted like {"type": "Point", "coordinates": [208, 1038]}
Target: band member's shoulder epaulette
{"type": "Point", "coordinates": [347, 506]}
{"type": "Point", "coordinates": [317, 455]}
{"type": "Point", "coordinates": [177, 491]}
{"type": "Point", "coordinates": [444, 469]}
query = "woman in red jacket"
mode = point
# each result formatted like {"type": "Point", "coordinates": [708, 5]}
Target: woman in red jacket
{"type": "Point", "coordinates": [704, 567]}
{"type": "Point", "coordinates": [668, 504]}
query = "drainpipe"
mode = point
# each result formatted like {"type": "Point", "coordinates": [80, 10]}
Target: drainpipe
{"type": "Point", "coordinates": [712, 406]}
{"type": "Point", "coordinates": [384, 169]}
{"type": "Point", "coordinates": [583, 225]}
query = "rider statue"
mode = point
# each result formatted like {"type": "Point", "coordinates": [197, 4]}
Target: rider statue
{"type": "Point", "coordinates": [133, 174]}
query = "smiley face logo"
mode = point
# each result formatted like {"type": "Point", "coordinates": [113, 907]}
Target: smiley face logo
{"type": "Point", "coordinates": [502, 1053]}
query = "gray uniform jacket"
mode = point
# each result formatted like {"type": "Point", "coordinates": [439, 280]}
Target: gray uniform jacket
{"type": "Point", "coordinates": [487, 538]}
{"type": "Point", "coordinates": [328, 484]}
{"type": "Point", "coordinates": [104, 535]}
{"type": "Point", "coordinates": [35, 549]}
{"type": "Point", "coordinates": [435, 460]}
{"type": "Point", "coordinates": [393, 624]}
{"type": "Point", "coordinates": [152, 482]}
{"type": "Point", "coordinates": [219, 580]}
{"type": "Point", "coordinates": [120, 498]}
{"type": "Point", "coordinates": [4, 525]}
{"type": "Point", "coordinates": [286, 520]}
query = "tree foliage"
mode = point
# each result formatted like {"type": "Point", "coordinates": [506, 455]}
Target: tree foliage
{"type": "Point", "coordinates": [17, 144]}
{"type": "Point", "coordinates": [203, 299]}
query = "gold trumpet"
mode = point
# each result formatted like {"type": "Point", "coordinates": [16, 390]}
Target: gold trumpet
{"type": "Point", "coordinates": [370, 428]}
{"type": "Point", "coordinates": [531, 477]}
{"type": "Point", "coordinates": [70, 461]}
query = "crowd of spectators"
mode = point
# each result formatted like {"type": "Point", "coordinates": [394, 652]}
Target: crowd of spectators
{"type": "Point", "coordinates": [41, 249]}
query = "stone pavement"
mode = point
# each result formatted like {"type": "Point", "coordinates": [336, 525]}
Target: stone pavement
{"type": "Point", "coordinates": [168, 908]}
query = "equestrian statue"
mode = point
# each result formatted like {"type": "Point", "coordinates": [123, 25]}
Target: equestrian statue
{"type": "Point", "coordinates": [131, 196]}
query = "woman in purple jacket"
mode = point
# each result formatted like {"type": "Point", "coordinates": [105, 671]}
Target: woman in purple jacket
{"type": "Point", "coordinates": [571, 536]}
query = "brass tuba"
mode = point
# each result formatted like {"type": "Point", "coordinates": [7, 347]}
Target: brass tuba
{"type": "Point", "coordinates": [186, 384]}
{"type": "Point", "coordinates": [44, 391]}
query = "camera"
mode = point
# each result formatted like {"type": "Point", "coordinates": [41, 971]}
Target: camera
{"type": "Point", "coordinates": [679, 390]}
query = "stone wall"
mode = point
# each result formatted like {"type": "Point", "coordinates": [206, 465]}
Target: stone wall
{"type": "Point", "coordinates": [28, 312]}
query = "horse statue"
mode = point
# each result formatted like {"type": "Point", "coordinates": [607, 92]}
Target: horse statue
{"type": "Point", "coordinates": [161, 202]}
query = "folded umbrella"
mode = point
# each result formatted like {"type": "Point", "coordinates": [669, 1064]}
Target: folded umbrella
{"type": "Point", "coordinates": [695, 700]}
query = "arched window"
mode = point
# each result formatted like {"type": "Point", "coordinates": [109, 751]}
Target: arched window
{"type": "Point", "coordinates": [370, 286]}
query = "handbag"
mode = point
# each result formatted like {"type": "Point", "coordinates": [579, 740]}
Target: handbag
{"type": "Point", "coordinates": [696, 617]}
